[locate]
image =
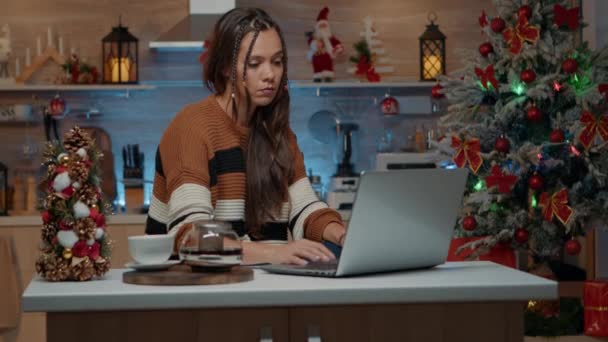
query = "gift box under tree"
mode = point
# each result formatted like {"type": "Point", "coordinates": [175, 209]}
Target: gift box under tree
{"type": "Point", "coordinates": [596, 308]}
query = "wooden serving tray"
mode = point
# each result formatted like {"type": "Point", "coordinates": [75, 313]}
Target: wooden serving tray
{"type": "Point", "coordinates": [183, 275]}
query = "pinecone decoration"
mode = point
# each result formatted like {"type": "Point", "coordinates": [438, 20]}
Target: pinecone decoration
{"type": "Point", "coordinates": [49, 231]}
{"type": "Point", "coordinates": [87, 194]}
{"type": "Point", "coordinates": [78, 172]}
{"type": "Point", "coordinates": [75, 139]}
{"type": "Point", "coordinates": [84, 270]}
{"type": "Point", "coordinates": [85, 228]}
{"type": "Point", "coordinates": [102, 266]}
{"type": "Point", "coordinates": [52, 267]}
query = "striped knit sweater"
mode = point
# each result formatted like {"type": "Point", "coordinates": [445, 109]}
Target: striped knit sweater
{"type": "Point", "coordinates": [200, 164]}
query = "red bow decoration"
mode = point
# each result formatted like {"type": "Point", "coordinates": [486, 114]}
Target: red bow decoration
{"type": "Point", "coordinates": [362, 66]}
{"type": "Point", "coordinates": [487, 75]}
{"type": "Point", "coordinates": [372, 75]}
{"type": "Point", "coordinates": [365, 68]}
{"type": "Point", "coordinates": [467, 151]}
{"type": "Point", "coordinates": [556, 205]}
{"type": "Point", "coordinates": [523, 32]}
{"type": "Point", "coordinates": [505, 182]}
{"type": "Point", "coordinates": [603, 89]}
{"type": "Point", "coordinates": [563, 16]}
{"type": "Point", "coordinates": [483, 19]}
{"type": "Point", "coordinates": [592, 127]}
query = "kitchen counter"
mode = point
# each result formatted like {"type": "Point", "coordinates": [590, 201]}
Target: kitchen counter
{"type": "Point", "coordinates": [451, 282]}
{"type": "Point", "coordinates": [450, 299]}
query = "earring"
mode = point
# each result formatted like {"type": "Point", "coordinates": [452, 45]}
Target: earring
{"type": "Point", "coordinates": [232, 95]}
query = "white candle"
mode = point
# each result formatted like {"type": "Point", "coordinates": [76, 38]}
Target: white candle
{"type": "Point", "coordinates": [61, 45]}
{"type": "Point", "coordinates": [38, 46]}
{"type": "Point", "coordinates": [49, 37]}
{"type": "Point", "coordinates": [17, 68]}
{"type": "Point", "coordinates": [28, 57]}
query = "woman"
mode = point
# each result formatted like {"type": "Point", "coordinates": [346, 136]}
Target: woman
{"type": "Point", "coordinates": [205, 150]}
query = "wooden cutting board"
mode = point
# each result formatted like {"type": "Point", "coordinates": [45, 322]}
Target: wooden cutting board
{"type": "Point", "coordinates": [183, 275]}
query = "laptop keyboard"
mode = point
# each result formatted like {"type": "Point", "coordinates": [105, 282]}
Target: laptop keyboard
{"type": "Point", "coordinates": [321, 266]}
{"type": "Point", "coordinates": [312, 269]}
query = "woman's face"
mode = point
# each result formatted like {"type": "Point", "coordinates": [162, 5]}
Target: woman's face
{"type": "Point", "coordinates": [264, 67]}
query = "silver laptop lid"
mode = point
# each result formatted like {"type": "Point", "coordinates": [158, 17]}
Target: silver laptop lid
{"type": "Point", "coordinates": [402, 219]}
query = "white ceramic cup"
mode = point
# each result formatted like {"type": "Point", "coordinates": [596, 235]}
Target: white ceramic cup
{"type": "Point", "coordinates": [151, 249]}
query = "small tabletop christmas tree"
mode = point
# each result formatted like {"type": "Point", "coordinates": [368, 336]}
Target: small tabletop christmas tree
{"type": "Point", "coordinates": [529, 118]}
{"type": "Point", "coordinates": [75, 245]}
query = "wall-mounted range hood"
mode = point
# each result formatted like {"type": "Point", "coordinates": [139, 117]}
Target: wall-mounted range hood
{"type": "Point", "coordinates": [189, 33]}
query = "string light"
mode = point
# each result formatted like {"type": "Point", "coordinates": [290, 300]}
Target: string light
{"type": "Point", "coordinates": [479, 185]}
{"type": "Point", "coordinates": [557, 86]}
{"type": "Point", "coordinates": [518, 88]}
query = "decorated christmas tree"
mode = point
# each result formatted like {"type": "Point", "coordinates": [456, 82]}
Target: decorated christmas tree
{"type": "Point", "coordinates": [528, 116]}
{"type": "Point", "coordinates": [75, 245]}
{"type": "Point", "coordinates": [370, 61]}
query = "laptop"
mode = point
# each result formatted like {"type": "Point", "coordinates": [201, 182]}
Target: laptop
{"type": "Point", "coordinates": [401, 220]}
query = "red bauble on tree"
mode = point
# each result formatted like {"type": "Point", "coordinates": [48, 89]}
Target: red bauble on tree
{"type": "Point", "coordinates": [528, 76]}
{"type": "Point", "coordinates": [469, 223]}
{"type": "Point", "coordinates": [389, 106]}
{"type": "Point", "coordinates": [497, 25]}
{"type": "Point", "coordinates": [436, 91]}
{"type": "Point", "coordinates": [502, 144]}
{"type": "Point", "coordinates": [525, 11]}
{"type": "Point", "coordinates": [521, 235]}
{"type": "Point", "coordinates": [485, 49]}
{"type": "Point", "coordinates": [536, 181]}
{"type": "Point", "coordinates": [572, 247]}
{"type": "Point", "coordinates": [557, 136]}
{"type": "Point", "coordinates": [534, 114]}
{"type": "Point", "coordinates": [56, 106]}
{"type": "Point", "coordinates": [569, 66]}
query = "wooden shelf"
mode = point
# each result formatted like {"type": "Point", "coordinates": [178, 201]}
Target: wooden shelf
{"type": "Point", "coordinates": [74, 87]}
{"type": "Point", "coordinates": [358, 84]}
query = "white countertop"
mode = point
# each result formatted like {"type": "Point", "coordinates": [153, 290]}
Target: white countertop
{"type": "Point", "coordinates": [36, 220]}
{"type": "Point", "coordinates": [451, 282]}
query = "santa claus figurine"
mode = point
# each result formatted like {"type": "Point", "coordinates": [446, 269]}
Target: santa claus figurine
{"type": "Point", "coordinates": [323, 48]}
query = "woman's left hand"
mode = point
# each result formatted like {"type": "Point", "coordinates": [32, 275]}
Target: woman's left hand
{"type": "Point", "coordinates": [334, 232]}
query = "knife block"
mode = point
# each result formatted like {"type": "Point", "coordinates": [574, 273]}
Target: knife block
{"type": "Point", "coordinates": [134, 198]}
{"type": "Point", "coordinates": [134, 172]}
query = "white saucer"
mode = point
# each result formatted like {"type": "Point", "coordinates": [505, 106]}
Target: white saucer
{"type": "Point", "coordinates": [152, 267]}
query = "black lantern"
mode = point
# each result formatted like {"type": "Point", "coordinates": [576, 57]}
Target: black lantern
{"type": "Point", "coordinates": [432, 51]}
{"type": "Point", "coordinates": [120, 56]}
{"type": "Point", "coordinates": [3, 190]}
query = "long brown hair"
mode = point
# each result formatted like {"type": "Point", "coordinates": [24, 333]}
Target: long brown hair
{"type": "Point", "coordinates": [268, 158]}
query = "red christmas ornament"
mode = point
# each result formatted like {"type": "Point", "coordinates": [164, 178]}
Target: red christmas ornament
{"type": "Point", "coordinates": [485, 49]}
{"type": "Point", "coordinates": [497, 25]}
{"type": "Point", "coordinates": [389, 106]}
{"type": "Point", "coordinates": [525, 11]}
{"type": "Point", "coordinates": [521, 235]}
{"type": "Point", "coordinates": [100, 221]}
{"type": "Point", "coordinates": [535, 182]}
{"type": "Point", "coordinates": [502, 144]}
{"type": "Point", "coordinates": [528, 76]}
{"type": "Point", "coordinates": [557, 136]}
{"type": "Point", "coordinates": [46, 217]}
{"type": "Point", "coordinates": [56, 106]}
{"type": "Point", "coordinates": [436, 91]}
{"type": "Point", "coordinates": [569, 66]}
{"type": "Point", "coordinates": [469, 223]}
{"type": "Point", "coordinates": [573, 247]}
{"type": "Point", "coordinates": [534, 114]}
